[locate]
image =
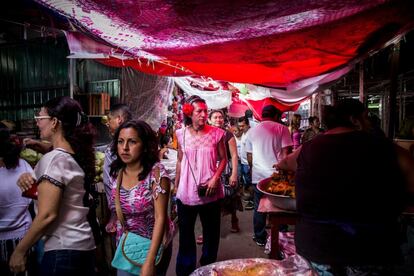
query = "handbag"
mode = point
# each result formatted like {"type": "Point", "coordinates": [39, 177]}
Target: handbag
{"type": "Point", "coordinates": [132, 249]}
{"type": "Point", "coordinates": [229, 190]}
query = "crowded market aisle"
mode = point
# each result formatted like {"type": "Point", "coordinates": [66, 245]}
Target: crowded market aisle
{"type": "Point", "coordinates": [232, 245]}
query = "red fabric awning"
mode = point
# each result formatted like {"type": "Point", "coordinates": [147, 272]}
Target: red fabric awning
{"type": "Point", "coordinates": [275, 43]}
{"type": "Point", "coordinates": [295, 45]}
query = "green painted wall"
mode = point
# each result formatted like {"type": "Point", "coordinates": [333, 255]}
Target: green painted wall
{"type": "Point", "coordinates": [32, 72]}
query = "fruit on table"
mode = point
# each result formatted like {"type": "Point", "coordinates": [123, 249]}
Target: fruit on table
{"type": "Point", "coordinates": [31, 156]}
{"type": "Point", "coordinates": [99, 162]}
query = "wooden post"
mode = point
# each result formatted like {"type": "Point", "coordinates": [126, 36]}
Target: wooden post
{"type": "Point", "coordinates": [392, 114]}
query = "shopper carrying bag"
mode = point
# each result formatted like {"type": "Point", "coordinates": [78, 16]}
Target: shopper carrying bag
{"type": "Point", "coordinates": [132, 249]}
{"type": "Point", "coordinates": [139, 197]}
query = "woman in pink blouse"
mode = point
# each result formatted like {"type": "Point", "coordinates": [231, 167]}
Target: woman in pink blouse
{"type": "Point", "coordinates": [199, 190]}
{"type": "Point", "coordinates": [143, 194]}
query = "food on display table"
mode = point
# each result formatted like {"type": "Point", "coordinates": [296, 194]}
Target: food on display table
{"type": "Point", "coordinates": [254, 270]}
{"type": "Point", "coordinates": [290, 266]}
{"type": "Point", "coordinates": [282, 183]}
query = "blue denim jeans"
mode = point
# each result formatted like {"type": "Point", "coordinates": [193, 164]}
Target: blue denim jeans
{"type": "Point", "coordinates": [243, 172]}
{"type": "Point", "coordinates": [259, 218]}
{"type": "Point", "coordinates": [68, 263]}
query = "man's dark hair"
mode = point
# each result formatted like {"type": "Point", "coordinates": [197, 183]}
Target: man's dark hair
{"type": "Point", "coordinates": [248, 114]}
{"type": "Point", "coordinates": [340, 114]}
{"type": "Point", "coordinates": [244, 119]}
{"type": "Point", "coordinates": [195, 99]}
{"type": "Point", "coordinates": [9, 151]}
{"type": "Point", "coordinates": [312, 119]}
{"type": "Point", "coordinates": [122, 110]}
{"type": "Point", "coordinates": [164, 140]}
{"type": "Point", "coordinates": [270, 111]}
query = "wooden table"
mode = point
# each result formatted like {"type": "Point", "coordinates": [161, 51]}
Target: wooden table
{"type": "Point", "coordinates": [277, 217]}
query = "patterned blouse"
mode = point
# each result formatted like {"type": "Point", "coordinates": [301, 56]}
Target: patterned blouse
{"type": "Point", "coordinates": [137, 204]}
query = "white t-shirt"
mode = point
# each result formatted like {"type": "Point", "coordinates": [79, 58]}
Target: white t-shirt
{"type": "Point", "coordinates": [238, 145]}
{"type": "Point", "coordinates": [265, 141]}
{"type": "Point", "coordinates": [243, 153]}
{"type": "Point", "coordinates": [71, 229]}
{"type": "Point", "coordinates": [106, 178]}
{"type": "Point", "coordinates": [253, 122]}
{"type": "Point", "coordinates": [15, 218]}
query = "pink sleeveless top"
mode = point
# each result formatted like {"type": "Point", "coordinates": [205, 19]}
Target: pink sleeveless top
{"type": "Point", "coordinates": [201, 153]}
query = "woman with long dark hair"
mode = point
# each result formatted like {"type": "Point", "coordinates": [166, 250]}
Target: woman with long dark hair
{"type": "Point", "coordinates": [63, 177]}
{"type": "Point", "coordinates": [15, 218]}
{"type": "Point", "coordinates": [232, 201]}
{"type": "Point", "coordinates": [144, 188]}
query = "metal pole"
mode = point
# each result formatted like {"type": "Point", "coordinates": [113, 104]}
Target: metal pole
{"type": "Point", "coordinates": [319, 104]}
{"type": "Point", "coordinates": [311, 106]}
{"type": "Point", "coordinates": [404, 95]}
{"type": "Point", "coordinates": [392, 114]}
{"type": "Point", "coordinates": [361, 82]}
{"type": "Point", "coordinates": [72, 76]}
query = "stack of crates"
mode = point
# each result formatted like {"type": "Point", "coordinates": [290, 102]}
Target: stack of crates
{"type": "Point", "coordinates": [98, 103]}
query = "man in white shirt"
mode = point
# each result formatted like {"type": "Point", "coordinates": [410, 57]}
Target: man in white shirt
{"type": "Point", "coordinates": [266, 144]}
{"type": "Point", "coordinates": [244, 168]}
{"type": "Point", "coordinates": [118, 114]}
{"type": "Point", "coordinates": [248, 114]}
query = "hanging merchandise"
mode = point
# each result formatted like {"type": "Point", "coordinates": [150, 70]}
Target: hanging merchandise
{"type": "Point", "coordinates": [212, 92]}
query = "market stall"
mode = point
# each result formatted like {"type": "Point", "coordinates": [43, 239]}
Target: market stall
{"type": "Point", "coordinates": [286, 58]}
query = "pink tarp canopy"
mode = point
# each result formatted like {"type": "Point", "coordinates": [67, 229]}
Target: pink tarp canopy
{"type": "Point", "coordinates": [218, 94]}
{"type": "Point", "coordinates": [295, 44]}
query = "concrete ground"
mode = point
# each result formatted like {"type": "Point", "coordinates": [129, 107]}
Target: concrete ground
{"type": "Point", "coordinates": [232, 245]}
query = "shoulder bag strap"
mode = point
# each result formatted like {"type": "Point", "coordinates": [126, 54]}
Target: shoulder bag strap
{"type": "Point", "coordinates": [186, 156]}
{"type": "Point", "coordinates": [121, 217]}
{"type": "Point", "coordinates": [158, 175]}
{"type": "Point", "coordinates": [118, 200]}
